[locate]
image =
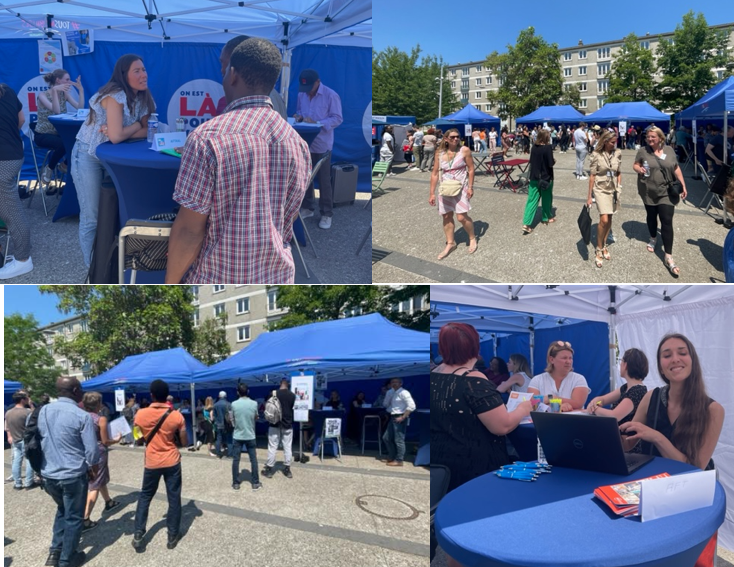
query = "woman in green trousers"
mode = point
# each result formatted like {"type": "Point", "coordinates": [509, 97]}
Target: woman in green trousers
{"type": "Point", "coordinates": [541, 182]}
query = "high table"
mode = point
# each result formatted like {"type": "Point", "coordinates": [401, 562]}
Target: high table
{"type": "Point", "coordinates": [557, 522]}
{"type": "Point", "coordinates": [68, 127]}
{"type": "Point", "coordinates": [509, 167]}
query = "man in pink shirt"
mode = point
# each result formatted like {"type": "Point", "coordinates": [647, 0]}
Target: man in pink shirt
{"type": "Point", "coordinates": [318, 103]}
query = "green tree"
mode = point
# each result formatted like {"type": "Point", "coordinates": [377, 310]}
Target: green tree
{"type": "Point", "coordinates": [124, 320]}
{"type": "Point", "coordinates": [688, 59]}
{"type": "Point", "coordinates": [210, 340]}
{"type": "Point", "coordinates": [27, 359]}
{"type": "Point", "coordinates": [529, 75]}
{"type": "Point", "coordinates": [405, 85]}
{"type": "Point", "coordinates": [631, 77]}
{"type": "Point", "coordinates": [312, 303]}
{"type": "Point", "coordinates": [419, 320]}
{"type": "Point", "coordinates": [571, 95]}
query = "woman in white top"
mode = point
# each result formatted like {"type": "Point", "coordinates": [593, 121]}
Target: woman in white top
{"type": "Point", "coordinates": [117, 112]}
{"type": "Point", "coordinates": [519, 379]}
{"type": "Point", "coordinates": [559, 379]}
{"type": "Point", "coordinates": [492, 140]}
{"type": "Point", "coordinates": [387, 151]}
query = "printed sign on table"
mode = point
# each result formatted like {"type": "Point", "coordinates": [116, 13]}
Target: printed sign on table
{"type": "Point", "coordinates": [333, 427]}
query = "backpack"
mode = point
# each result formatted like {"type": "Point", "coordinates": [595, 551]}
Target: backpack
{"type": "Point", "coordinates": [273, 412]}
{"type": "Point", "coordinates": [32, 442]}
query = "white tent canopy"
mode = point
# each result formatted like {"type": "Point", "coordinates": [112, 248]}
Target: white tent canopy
{"type": "Point", "coordinates": [287, 23]}
{"type": "Point", "coordinates": [638, 316]}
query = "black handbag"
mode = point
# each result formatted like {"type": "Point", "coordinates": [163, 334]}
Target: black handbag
{"type": "Point", "coordinates": [584, 223]}
{"type": "Point", "coordinates": [675, 188]}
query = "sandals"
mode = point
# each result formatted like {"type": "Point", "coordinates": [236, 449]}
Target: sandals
{"type": "Point", "coordinates": [88, 525]}
{"type": "Point", "coordinates": [672, 268]}
{"type": "Point", "coordinates": [473, 248]}
{"type": "Point", "coordinates": [599, 257]}
{"type": "Point", "coordinates": [651, 245]}
{"type": "Point", "coordinates": [526, 229]}
{"type": "Point", "coordinates": [111, 505]}
{"type": "Point", "coordinates": [605, 253]}
{"type": "Point", "coordinates": [451, 248]}
{"type": "Point", "coordinates": [549, 221]}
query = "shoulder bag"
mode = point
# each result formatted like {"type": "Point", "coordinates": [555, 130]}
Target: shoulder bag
{"type": "Point", "coordinates": [450, 187]}
{"type": "Point", "coordinates": [675, 189]}
{"type": "Point", "coordinates": [149, 438]}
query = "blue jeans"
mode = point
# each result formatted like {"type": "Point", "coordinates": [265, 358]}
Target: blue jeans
{"type": "Point", "coordinates": [89, 174]}
{"type": "Point", "coordinates": [394, 438]}
{"type": "Point", "coordinates": [151, 479]}
{"type": "Point", "coordinates": [250, 445]}
{"type": "Point", "coordinates": [223, 439]}
{"type": "Point", "coordinates": [70, 496]}
{"type": "Point", "coordinates": [18, 459]}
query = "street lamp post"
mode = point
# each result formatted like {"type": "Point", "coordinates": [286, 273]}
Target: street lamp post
{"type": "Point", "coordinates": [440, 91]}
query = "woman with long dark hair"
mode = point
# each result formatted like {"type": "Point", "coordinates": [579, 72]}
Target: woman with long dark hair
{"type": "Point", "coordinates": [678, 421]}
{"type": "Point", "coordinates": [454, 165]}
{"type": "Point", "coordinates": [119, 111]}
{"type": "Point", "coordinates": [541, 183]}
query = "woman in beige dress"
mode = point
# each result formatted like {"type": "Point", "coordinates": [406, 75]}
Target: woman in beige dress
{"type": "Point", "coordinates": [605, 182]}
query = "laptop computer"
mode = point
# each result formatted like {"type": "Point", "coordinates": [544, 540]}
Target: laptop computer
{"type": "Point", "coordinates": [586, 442]}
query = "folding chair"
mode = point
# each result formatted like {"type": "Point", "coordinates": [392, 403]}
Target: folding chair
{"type": "Point", "coordinates": [143, 245]}
{"type": "Point", "coordinates": [499, 170]}
{"type": "Point", "coordinates": [294, 240]}
{"type": "Point", "coordinates": [39, 179]}
{"type": "Point", "coordinates": [714, 197]}
{"type": "Point", "coordinates": [379, 169]}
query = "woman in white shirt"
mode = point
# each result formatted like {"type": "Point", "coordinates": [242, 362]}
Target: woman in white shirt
{"type": "Point", "coordinates": [519, 379]}
{"type": "Point", "coordinates": [559, 379]}
{"type": "Point", "coordinates": [387, 151]}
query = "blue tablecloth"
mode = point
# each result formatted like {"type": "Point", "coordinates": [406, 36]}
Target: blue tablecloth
{"type": "Point", "coordinates": [317, 418]}
{"type": "Point", "coordinates": [67, 128]}
{"type": "Point", "coordinates": [557, 522]}
{"type": "Point", "coordinates": [421, 421]}
{"type": "Point", "coordinates": [307, 131]}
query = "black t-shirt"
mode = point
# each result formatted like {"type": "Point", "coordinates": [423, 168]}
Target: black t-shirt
{"type": "Point", "coordinates": [718, 146]}
{"type": "Point", "coordinates": [287, 401]}
{"type": "Point", "coordinates": [11, 148]}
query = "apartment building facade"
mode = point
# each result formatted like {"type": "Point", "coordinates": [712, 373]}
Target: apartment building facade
{"type": "Point", "coordinates": [586, 65]}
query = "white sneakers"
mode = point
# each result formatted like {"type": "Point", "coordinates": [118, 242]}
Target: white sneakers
{"type": "Point", "coordinates": [325, 223]}
{"type": "Point", "coordinates": [306, 213]}
{"type": "Point", "coordinates": [14, 268]}
{"type": "Point", "coordinates": [47, 175]}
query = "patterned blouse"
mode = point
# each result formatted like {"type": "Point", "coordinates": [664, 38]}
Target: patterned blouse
{"type": "Point", "coordinates": [43, 126]}
{"type": "Point", "coordinates": [90, 134]}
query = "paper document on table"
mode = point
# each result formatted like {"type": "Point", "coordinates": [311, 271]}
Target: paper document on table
{"type": "Point", "coordinates": [118, 426]}
{"type": "Point", "coordinates": [680, 493]}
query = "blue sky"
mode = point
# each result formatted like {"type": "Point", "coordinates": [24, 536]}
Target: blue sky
{"type": "Point", "coordinates": [27, 299]}
{"type": "Point", "coordinates": [478, 28]}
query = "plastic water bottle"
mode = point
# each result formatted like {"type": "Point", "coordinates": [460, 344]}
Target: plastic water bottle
{"type": "Point", "coordinates": [152, 126]}
{"type": "Point", "coordinates": [647, 168]}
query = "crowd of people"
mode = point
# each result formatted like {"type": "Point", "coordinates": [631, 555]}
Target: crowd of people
{"type": "Point", "coordinates": [216, 202]}
{"type": "Point", "coordinates": [469, 419]}
{"type": "Point", "coordinates": [659, 179]}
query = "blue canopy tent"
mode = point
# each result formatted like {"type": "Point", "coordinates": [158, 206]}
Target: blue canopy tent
{"type": "Point", "coordinates": [714, 106]}
{"type": "Point", "coordinates": [632, 113]}
{"type": "Point", "coordinates": [441, 122]}
{"type": "Point", "coordinates": [472, 115]}
{"type": "Point", "coordinates": [12, 386]}
{"type": "Point", "coordinates": [366, 347]}
{"type": "Point", "coordinates": [565, 114]}
{"type": "Point", "coordinates": [504, 332]}
{"type": "Point", "coordinates": [185, 38]}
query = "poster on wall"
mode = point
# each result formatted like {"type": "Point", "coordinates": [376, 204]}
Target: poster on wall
{"type": "Point", "coordinates": [302, 388]}
{"type": "Point", "coordinates": [49, 56]}
{"type": "Point", "coordinates": [78, 42]}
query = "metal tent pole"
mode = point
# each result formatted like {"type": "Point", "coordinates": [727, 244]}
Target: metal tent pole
{"type": "Point", "coordinates": [612, 333]}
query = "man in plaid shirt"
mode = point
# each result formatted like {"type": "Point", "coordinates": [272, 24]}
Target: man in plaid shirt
{"type": "Point", "coordinates": [242, 178]}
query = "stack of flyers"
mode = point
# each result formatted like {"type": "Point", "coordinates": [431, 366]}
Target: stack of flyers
{"type": "Point", "coordinates": [623, 499]}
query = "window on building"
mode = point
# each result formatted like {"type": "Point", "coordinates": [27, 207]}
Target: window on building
{"type": "Point", "coordinates": [195, 291]}
{"type": "Point", "coordinates": [582, 54]}
{"type": "Point", "coordinates": [464, 99]}
{"type": "Point", "coordinates": [478, 82]}
{"type": "Point", "coordinates": [601, 101]}
{"type": "Point", "coordinates": [567, 71]}
{"type": "Point", "coordinates": [479, 68]}
{"type": "Point", "coordinates": [453, 72]}
{"type": "Point", "coordinates": [417, 303]}
{"type": "Point", "coordinates": [603, 53]}
{"type": "Point", "coordinates": [84, 326]}
{"type": "Point", "coordinates": [195, 317]}
{"type": "Point", "coordinates": [218, 288]}
{"type": "Point", "coordinates": [465, 83]}
{"type": "Point", "coordinates": [243, 305]}
{"type": "Point", "coordinates": [405, 306]}
{"type": "Point", "coordinates": [582, 87]}
{"type": "Point", "coordinates": [488, 80]}
{"type": "Point", "coordinates": [478, 95]}
{"type": "Point", "coordinates": [272, 300]}
{"type": "Point", "coordinates": [218, 309]}
{"type": "Point", "coordinates": [243, 333]}
{"type": "Point", "coordinates": [465, 72]}
{"type": "Point", "coordinates": [487, 107]}
{"type": "Point", "coordinates": [567, 57]}
{"type": "Point", "coordinates": [602, 69]}
{"type": "Point", "coordinates": [719, 75]}
{"type": "Point", "coordinates": [453, 84]}
{"type": "Point", "coordinates": [582, 70]}
{"type": "Point", "coordinates": [582, 104]}
{"type": "Point", "coordinates": [602, 86]}
{"type": "Point", "coordinates": [645, 44]}
{"type": "Point", "coordinates": [501, 81]}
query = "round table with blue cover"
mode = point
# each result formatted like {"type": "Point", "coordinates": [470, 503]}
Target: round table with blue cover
{"type": "Point", "coordinates": [67, 127]}
{"type": "Point", "coordinates": [557, 522]}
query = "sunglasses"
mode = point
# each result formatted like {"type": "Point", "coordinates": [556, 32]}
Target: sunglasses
{"type": "Point", "coordinates": [563, 344]}
{"type": "Point", "coordinates": [454, 137]}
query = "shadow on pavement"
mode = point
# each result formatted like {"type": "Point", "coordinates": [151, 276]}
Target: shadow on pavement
{"type": "Point", "coordinates": [712, 252]}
